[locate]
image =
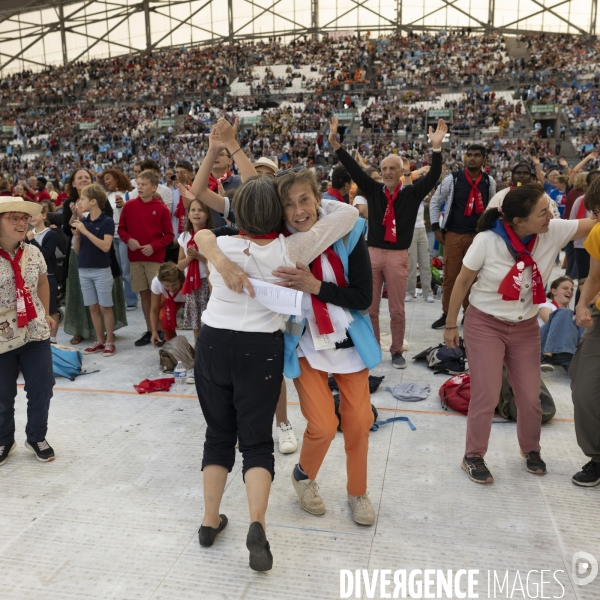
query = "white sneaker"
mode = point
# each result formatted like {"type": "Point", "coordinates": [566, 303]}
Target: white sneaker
{"type": "Point", "coordinates": [288, 444]}
{"type": "Point", "coordinates": [362, 510]}
{"type": "Point", "coordinates": [190, 381]}
{"type": "Point", "coordinates": [408, 298]}
{"type": "Point", "coordinates": [430, 299]}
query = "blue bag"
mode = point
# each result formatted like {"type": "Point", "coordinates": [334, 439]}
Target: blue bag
{"type": "Point", "coordinates": [66, 362]}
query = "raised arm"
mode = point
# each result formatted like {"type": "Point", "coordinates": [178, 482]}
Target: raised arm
{"type": "Point", "coordinates": [200, 187]}
{"type": "Point", "coordinates": [578, 167]}
{"type": "Point", "coordinates": [228, 135]}
{"type": "Point", "coordinates": [336, 221]}
{"type": "Point", "coordinates": [538, 170]}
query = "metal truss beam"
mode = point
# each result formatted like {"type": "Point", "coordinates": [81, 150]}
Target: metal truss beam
{"type": "Point", "coordinates": [314, 18]}
{"type": "Point", "coordinates": [535, 14]}
{"type": "Point", "coordinates": [268, 9]}
{"type": "Point", "coordinates": [431, 13]}
{"type": "Point", "coordinates": [593, 17]}
{"type": "Point", "coordinates": [558, 16]}
{"type": "Point", "coordinates": [186, 20]}
{"type": "Point", "coordinates": [193, 25]}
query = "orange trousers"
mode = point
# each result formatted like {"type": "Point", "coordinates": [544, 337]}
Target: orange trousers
{"type": "Point", "coordinates": [169, 334]}
{"type": "Point", "coordinates": [318, 408]}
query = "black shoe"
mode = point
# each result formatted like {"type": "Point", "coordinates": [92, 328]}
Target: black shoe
{"type": "Point", "coordinates": [43, 450]}
{"type": "Point", "coordinates": [6, 450]}
{"type": "Point", "coordinates": [161, 335]}
{"type": "Point", "coordinates": [547, 366]}
{"type": "Point", "coordinates": [145, 339]}
{"type": "Point", "coordinates": [476, 469]}
{"type": "Point", "coordinates": [440, 323]}
{"type": "Point", "coordinates": [589, 476]}
{"type": "Point", "coordinates": [535, 464]}
{"type": "Point", "coordinates": [563, 359]}
{"type": "Point", "coordinates": [398, 361]}
{"type": "Point", "coordinates": [261, 558]}
{"type": "Point", "coordinates": [207, 535]}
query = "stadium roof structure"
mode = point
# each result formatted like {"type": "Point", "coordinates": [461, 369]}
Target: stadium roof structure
{"type": "Point", "coordinates": [38, 33]}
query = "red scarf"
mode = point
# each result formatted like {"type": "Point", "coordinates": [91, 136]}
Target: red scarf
{"type": "Point", "coordinates": [581, 210]}
{"type": "Point", "coordinates": [267, 236]}
{"type": "Point", "coordinates": [169, 321]}
{"type": "Point", "coordinates": [324, 324]}
{"type": "Point", "coordinates": [181, 213]}
{"type": "Point", "coordinates": [213, 183]}
{"type": "Point", "coordinates": [475, 198]}
{"type": "Point", "coordinates": [336, 194]}
{"type": "Point", "coordinates": [389, 218]}
{"type": "Point", "coordinates": [25, 309]}
{"type": "Point", "coordinates": [555, 303]}
{"type": "Point", "coordinates": [192, 276]}
{"type": "Point", "coordinates": [510, 288]}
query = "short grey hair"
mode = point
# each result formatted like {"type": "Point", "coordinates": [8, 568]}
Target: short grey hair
{"type": "Point", "coordinates": [257, 207]}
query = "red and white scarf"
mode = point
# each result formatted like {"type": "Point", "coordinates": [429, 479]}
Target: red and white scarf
{"type": "Point", "coordinates": [181, 212]}
{"type": "Point", "coordinates": [25, 308]}
{"type": "Point", "coordinates": [213, 183]}
{"type": "Point", "coordinates": [319, 307]}
{"type": "Point", "coordinates": [475, 199]}
{"type": "Point", "coordinates": [336, 194]}
{"type": "Point", "coordinates": [192, 275]}
{"type": "Point", "coordinates": [582, 210]}
{"type": "Point", "coordinates": [389, 218]}
{"type": "Point", "coordinates": [169, 322]}
{"type": "Point", "coordinates": [510, 288]}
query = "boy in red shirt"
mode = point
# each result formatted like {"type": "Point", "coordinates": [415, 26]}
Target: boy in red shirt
{"type": "Point", "coordinates": [145, 226]}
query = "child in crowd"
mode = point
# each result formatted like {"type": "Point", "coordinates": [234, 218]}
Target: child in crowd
{"type": "Point", "coordinates": [167, 299]}
{"type": "Point", "coordinates": [46, 240]}
{"type": "Point", "coordinates": [193, 264]}
{"type": "Point", "coordinates": [145, 226]}
{"type": "Point", "coordinates": [93, 240]}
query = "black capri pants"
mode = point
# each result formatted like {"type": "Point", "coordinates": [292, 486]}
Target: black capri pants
{"type": "Point", "coordinates": [238, 378]}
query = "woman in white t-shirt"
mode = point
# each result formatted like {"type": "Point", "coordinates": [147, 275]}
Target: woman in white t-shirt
{"type": "Point", "coordinates": [559, 333]}
{"type": "Point", "coordinates": [511, 258]}
{"type": "Point", "coordinates": [193, 264]}
{"type": "Point", "coordinates": [166, 299]}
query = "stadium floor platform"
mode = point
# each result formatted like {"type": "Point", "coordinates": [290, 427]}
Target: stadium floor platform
{"type": "Point", "coordinates": [116, 515]}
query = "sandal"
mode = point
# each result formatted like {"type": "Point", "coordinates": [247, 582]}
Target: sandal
{"type": "Point", "coordinates": [76, 339]}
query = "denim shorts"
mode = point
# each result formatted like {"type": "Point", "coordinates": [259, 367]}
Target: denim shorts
{"type": "Point", "coordinates": [96, 286]}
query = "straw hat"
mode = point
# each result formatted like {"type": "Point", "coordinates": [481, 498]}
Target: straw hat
{"type": "Point", "coordinates": [266, 162]}
{"type": "Point", "coordinates": [10, 204]}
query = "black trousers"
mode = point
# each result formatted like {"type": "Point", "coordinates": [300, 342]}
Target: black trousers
{"type": "Point", "coordinates": [238, 379]}
{"type": "Point", "coordinates": [34, 359]}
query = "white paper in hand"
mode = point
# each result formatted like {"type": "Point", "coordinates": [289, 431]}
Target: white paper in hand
{"type": "Point", "coordinates": [276, 298]}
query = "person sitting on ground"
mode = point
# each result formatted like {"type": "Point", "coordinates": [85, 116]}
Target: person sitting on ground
{"type": "Point", "coordinates": [145, 226]}
{"type": "Point", "coordinates": [507, 264]}
{"type": "Point", "coordinates": [93, 238]}
{"type": "Point", "coordinates": [167, 298]}
{"type": "Point", "coordinates": [559, 334]}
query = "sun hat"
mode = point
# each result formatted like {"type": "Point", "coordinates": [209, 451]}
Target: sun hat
{"type": "Point", "coordinates": [266, 162]}
{"type": "Point", "coordinates": [11, 204]}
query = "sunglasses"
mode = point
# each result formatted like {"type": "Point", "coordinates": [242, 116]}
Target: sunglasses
{"type": "Point", "coordinates": [14, 219]}
{"type": "Point", "coordinates": [293, 170]}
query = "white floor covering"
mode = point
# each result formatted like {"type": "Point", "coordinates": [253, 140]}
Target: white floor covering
{"type": "Point", "coordinates": [116, 515]}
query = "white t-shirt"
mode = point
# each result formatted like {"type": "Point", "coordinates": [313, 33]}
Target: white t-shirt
{"type": "Point", "coordinates": [549, 305]}
{"type": "Point", "coordinates": [490, 257]}
{"type": "Point", "coordinates": [360, 201]}
{"type": "Point", "coordinates": [183, 240]}
{"type": "Point", "coordinates": [156, 287]}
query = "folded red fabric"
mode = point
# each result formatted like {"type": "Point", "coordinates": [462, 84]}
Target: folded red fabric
{"type": "Point", "coordinates": [154, 385]}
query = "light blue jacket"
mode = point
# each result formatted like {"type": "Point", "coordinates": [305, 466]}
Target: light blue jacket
{"type": "Point", "coordinates": [360, 330]}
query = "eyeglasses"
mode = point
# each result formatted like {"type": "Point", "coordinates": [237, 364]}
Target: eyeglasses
{"type": "Point", "coordinates": [14, 219]}
{"type": "Point", "coordinates": [294, 170]}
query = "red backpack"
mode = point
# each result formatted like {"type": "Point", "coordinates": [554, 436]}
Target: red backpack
{"type": "Point", "coordinates": [456, 393]}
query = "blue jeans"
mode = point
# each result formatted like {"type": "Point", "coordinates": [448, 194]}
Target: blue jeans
{"type": "Point", "coordinates": [560, 334]}
{"type": "Point", "coordinates": [34, 360]}
{"type": "Point", "coordinates": [131, 297]}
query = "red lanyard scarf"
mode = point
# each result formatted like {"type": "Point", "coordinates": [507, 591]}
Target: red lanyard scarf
{"type": "Point", "coordinates": [169, 321]}
{"type": "Point", "coordinates": [192, 276]}
{"type": "Point", "coordinates": [475, 199]}
{"type": "Point", "coordinates": [181, 213]}
{"type": "Point", "coordinates": [581, 210]}
{"type": "Point", "coordinates": [213, 183]}
{"type": "Point", "coordinates": [324, 324]}
{"type": "Point", "coordinates": [555, 303]}
{"type": "Point", "coordinates": [336, 194]}
{"type": "Point", "coordinates": [389, 218]}
{"type": "Point", "coordinates": [510, 288]}
{"type": "Point", "coordinates": [25, 309]}
{"type": "Point", "coordinates": [267, 236]}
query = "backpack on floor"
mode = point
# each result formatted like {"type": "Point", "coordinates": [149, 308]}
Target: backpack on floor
{"type": "Point", "coordinates": [456, 393]}
{"type": "Point", "coordinates": [507, 409]}
{"type": "Point", "coordinates": [66, 362]}
{"type": "Point", "coordinates": [442, 359]}
{"type": "Point", "coordinates": [175, 350]}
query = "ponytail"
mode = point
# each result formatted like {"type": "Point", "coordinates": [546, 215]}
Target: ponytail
{"type": "Point", "coordinates": [487, 219]}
